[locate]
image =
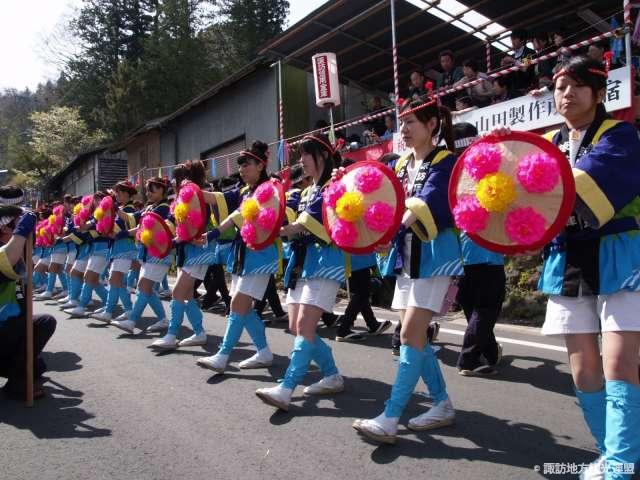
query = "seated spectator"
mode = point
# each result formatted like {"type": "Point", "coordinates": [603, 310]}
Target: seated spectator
{"type": "Point", "coordinates": [15, 228]}
{"type": "Point", "coordinates": [376, 125]}
{"type": "Point", "coordinates": [481, 93]}
{"type": "Point", "coordinates": [559, 42]}
{"type": "Point", "coordinates": [449, 76]}
{"type": "Point", "coordinates": [416, 86]}
{"type": "Point", "coordinates": [501, 90]}
{"type": "Point", "coordinates": [596, 51]}
{"type": "Point", "coordinates": [522, 80]}
{"type": "Point", "coordinates": [464, 104]}
{"type": "Point", "coordinates": [543, 70]}
{"type": "Point", "coordinates": [390, 125]}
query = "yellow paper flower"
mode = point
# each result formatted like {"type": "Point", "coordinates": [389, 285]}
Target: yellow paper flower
{"type": "Point", "coordinates": [146, 237]}
{"type": "Point", "coordinates": [77, 208]}
{"type": "Point", "coordinates": [350, 206]}
{"type": "Point", "coordinates": [42, 232]}
{"type": "Point", "coordinates": [181, 211]}
{"type": "Point", "coordinates": [249, 209]}
{"type": "Point", "coordinates": [52, 219]}
{"type": "Point", "coordinates": [495, 192]}
{"type": "Point", "coordinates": [98, 213]}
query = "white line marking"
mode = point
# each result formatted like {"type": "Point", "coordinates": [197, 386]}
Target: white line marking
{"type": "Point", "coordinates": [525, 343]}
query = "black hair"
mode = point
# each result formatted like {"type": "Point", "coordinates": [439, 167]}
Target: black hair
{"type": "Point", "coordinates": [260, 150]}
{"type": "Point", "coordinates": [581, 69]}
{"type": "Point", "coordinates": [447, 53]}
{"type": "Point", "coordinates": [316, 146]}
{"type": "Point", "coordinates": [387, 158]}
{"type": "Point", "coordinates": [502, 81]}
{"type": "Point", "coordinates": [415, 70]}
{"type": "Point", "coordinates": [347, 161]}
{"type": "Point", "coordinates": [158, 182]}
{"type": "Point", "coordinates": [541, 35]}
{"type": "Point", "coordinates": [470, 63]}
{"type": "Point", "coordinates": [520, 33]}
{"type": "Point", "coordinates": [193, 171]}
{"type": "Point", "coordinates": [429, 110]}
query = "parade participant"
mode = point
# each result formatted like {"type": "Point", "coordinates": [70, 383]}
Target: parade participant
{"type": "Point", "coordinates": [250, 268]}
{"type": "Point", "coordinates": [313, 276]}
{"type": "Point", "coordinates": [15, 228]}
{"type": "Point", "coordinates": [56, 264]}
{"type": "Point", "coordinates": [428, 252]}
{"type": "Point", "coordinates": [82, 242]}
{"type": "Point", "coordinates": [72, 250]}
{"type": "Point", "coordinates": [41, 268]}
{"type": "Point", "coordinates": [193, 261]}
{"type": "Point", "coordinates": [97, 263]}
{"type": "Point", "coordinates": [482, 291]}
{"type": "Point", "coordinates": [591, 270]}
{"type": "Point", "coordinates": [153, 269]}
{"type": "Point", "coordinates": [123, 251]}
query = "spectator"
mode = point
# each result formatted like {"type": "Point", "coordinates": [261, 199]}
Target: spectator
{"type": "Point", "coordinates": [376, 125]}
{"type": "Point", "coordinates": [559, 42]}
{"type": "Point", "coordinates": [390, 126]}
{"type": "Point", "coordinates": [596, 51]}
{"type": "Point", "coordinates": [543, 70]}
{"type": "Point", "coordinates": [480, 94]}
{"type": "Point", "coordinates": [501, 90]}
{"type": "Point", "coordinates": [521, 80]}
{"type": "Point", "coordinates": [450, 75]}
{"type": "Point", "coordinates": [464, 104]}
{"type": "Point", "coordinates": [416, 85]}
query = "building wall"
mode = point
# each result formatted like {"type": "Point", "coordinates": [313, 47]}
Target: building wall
{"type": "Point", "coordinates": [247, 108]}
{"type": "Point", "coordinates": [144, 152]}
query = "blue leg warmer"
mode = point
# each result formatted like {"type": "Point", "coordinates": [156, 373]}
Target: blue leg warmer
{"type": "Point", "coordinates": [432, 376]}
{"type": "Point", "coordinates": [256, 329]}
{"type": "Point", "coordinates": [409, 370]}
{"type": "Point", "coordinates": [593, 406]}
{"type": "Point", "coordinates": [156, 305]}
{"type": "Point", "coordinates": [194, 314]}
{"type": "Point", "coordinates": [235, 325]}
{"type": "Point", "coordinates": [177, 309]}
{"type": "Point", "coordinates": [138, 307]}
{"type": "Point", "coordinates": [622, 440]}
{"type": "Point", "coordinates": [324, 358]}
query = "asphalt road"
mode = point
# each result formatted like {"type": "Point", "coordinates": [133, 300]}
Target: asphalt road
{"type": "Point", "coordinates": [117, 410]}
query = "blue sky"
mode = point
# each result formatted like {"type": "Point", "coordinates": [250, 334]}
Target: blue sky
{"type": "Point", "coordinates": [25, 24]}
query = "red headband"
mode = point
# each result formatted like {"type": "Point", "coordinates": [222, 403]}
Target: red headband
{"type": "Point", "coordinates": [595, 71]}
{"type": "Point", "coordinates": [319, 140]}
{"type": "Point", "coordinates": [260, 160]}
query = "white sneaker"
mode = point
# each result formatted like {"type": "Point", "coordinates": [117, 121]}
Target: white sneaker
{"type": "Point", "coordinates": [64, 300]}
{"type": "Point", "coordinates": [440, 415]}
{"type": "Point", "coordinates": [595, 470]}
{"type": "Point", "coordinates": [262, 358]}
{"type": "Point", "coordinates": [78, 311]}
{"type": "Point", "coordinates": [381, 429]}
{"type": "Point", "coordinates": [124, 315]}
{"type": "Point", "coordinates": [70, 304]}
{"type": "Point", "coordinates": [159, 326]}
{"type": "Point", "coordinates": [126, 325]}
{"type": "Point", "coordinates": [60, 294]}
{"type": "Point", "coordinates": [197, 339]}
{"type": "Point", "coordinates": [164, 293]}
{"type": "Point", "coordinates": [278, 396]}
{"type": "Point", "coordinates": [99, 310]}
{"type": "Point", "coordinates": [131, 290]}
{"type": "Point", "coordinates": [217, 362]}
{"type": "Point", "coordinates": [327, 385]}
{"type": "Point", "coordinates": [168, 342]}
{"type": "Point", "coordinates": [92, 304]}
{"type": "Point", "coordinates": [46, 295]}
{"type": "Point", "coordinates": [102, 316]}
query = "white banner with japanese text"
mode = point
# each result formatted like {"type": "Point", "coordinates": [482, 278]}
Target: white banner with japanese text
{"type": "Point", "coordinates": [532, 113]}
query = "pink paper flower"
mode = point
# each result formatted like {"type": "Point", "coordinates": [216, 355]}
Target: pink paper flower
{"type": "Point", "coordinates": [379, 216]}
{"type": "Point", "coordinates": [538, 173]}
{"type": "Point", "coordinates": [182, 232]}
{"type": "Point", "coordinates": [194, 219]}
{"type": "Point", "coordinates": [248, 233]}
{"type": "Point", "coordinates": [161, 238]}
{"type": "Point", "coordinates": [154, 251]}
{"type": "Point", "coordinates": [187, 192]}
{"type": "Point", "coordinates": [147, 222]}
{"type": "Point", "coordinates": [482, 160]}
{"type": "Point", "coordinates": [58, 210]}
{"type": "Point", "coordinates": [333, 193]}
{"type": "Point", "coordinates": [469, 215]}
{"type": "Point", "coordinates": [368, 179]}
{"type": "Point", "coordinates": [266, 219]}
{"type": "Point", "coordinates": [87, 200]}
{"type": "Point", "coordinates": [264, 192]}
{"type": "Point", "coordinates": [106, 203]}
{"type": "Point", "coordinates": [344, 233]}
{"type": "Point", "coordinates": [524, 226]}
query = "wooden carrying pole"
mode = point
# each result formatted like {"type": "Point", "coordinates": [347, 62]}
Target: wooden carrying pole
{"type": "Point", "coordinates": [28, 302]}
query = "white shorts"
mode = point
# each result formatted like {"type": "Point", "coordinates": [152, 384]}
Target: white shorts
{"type": "Point", "coordinates": [196, 271]}
{"type": "Point", "coordinates": [35, 259]}
{"type": "Point", "coordinates": [122, 265]}
{"type": "Point", "coordinates": [97, 263]}
{"type": "Point", "coordinates": [617, 312]}
{"type": "Point", "coordinates": [153, 271]}
{"type": "Point", "coordinates": [71, 257]}
{"type": "Point", "coordinates": [59, 257]}
{"type": "Point", "coordinates": [319, 292]}
{"type": "Point", "coordinates": [253, 285]}
{"type": "Point", "coordinates": [427, 293]}
{"type": "Point", "coordinates": [80, 265]}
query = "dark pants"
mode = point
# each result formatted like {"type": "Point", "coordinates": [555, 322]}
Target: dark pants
{"type": "Point", "coordinates": [395, 338]}
{"type": "Point", "coordinates": [360, 302]}
{"type": "Point", "coordinates": [271, 296]}
{"type": "Point", "coordinates": [481, 294]}
{"type": "Point", "coordinates": [13, 349]}
{"type": "Point", "coordinates": [214, 281]}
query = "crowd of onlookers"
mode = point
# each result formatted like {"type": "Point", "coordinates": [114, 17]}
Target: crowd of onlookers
{"type": "Point", "coordinates": [454, 72]}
